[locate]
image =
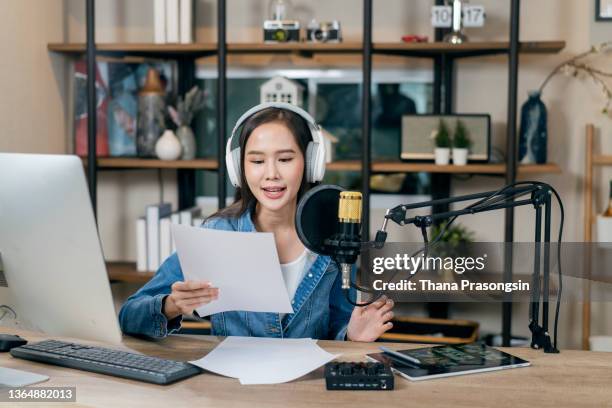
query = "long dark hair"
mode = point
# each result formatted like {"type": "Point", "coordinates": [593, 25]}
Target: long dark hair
{"type": "Point", "coordinates": [244, 198]}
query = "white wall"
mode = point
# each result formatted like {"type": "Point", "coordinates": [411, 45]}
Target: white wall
{"type": "Point", "coordinates": [32, 81]}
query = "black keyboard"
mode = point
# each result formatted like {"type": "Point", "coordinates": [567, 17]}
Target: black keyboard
{"type": "Point", "coordinates": [106, 361]}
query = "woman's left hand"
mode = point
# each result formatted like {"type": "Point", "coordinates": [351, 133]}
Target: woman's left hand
{"type": "Point", "coordinates": [369, 322]}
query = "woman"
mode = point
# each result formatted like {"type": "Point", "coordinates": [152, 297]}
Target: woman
{"type": "Point", "coordinates": [277, 161]}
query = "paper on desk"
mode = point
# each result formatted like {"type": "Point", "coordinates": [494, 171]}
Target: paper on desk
{"type": "Point", "coordinates": [257, 360]}
{"type": "Point", "coordinates": [243, 265]}
{"type": "Point", "coordinates": [16, 378]}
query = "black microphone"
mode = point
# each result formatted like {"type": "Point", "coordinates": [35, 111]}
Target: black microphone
{"type": "Point", "coordinates": [347, 242]}
{"type": "Point", "coordinates": [328, 222]}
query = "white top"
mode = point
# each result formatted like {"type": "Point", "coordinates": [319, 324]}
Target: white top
{"type": "Point", "coordinates": [293, 273]}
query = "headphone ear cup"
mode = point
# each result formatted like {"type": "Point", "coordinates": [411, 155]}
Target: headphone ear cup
{"type": "Point", "coordinates": [234, 171]}
{"type": "Point", "coordinates": [310, 162]}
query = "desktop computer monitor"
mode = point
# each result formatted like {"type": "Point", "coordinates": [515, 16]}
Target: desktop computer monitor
{"type": "Point", "coordinates": [54, 275]}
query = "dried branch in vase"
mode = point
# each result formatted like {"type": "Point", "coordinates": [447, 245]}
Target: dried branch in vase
{"type": "Point", "coordinates": [187, 107]}
{"type": "Point", "coordinates": [576, 67]}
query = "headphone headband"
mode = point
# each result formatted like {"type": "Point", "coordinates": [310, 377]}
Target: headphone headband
{"type": "Point", "coordinates": [280, 105]}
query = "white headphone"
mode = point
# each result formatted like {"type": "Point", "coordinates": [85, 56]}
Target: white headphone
{"type": "Point", "coordinates": [315, 151]}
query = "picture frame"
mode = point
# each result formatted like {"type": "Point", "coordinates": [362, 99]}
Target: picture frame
{"type": "Point", "coordinates": [118, 82]}
{"type": "Point", "coordinates": [417, 143]}
{"type": "Point", "coordinates": [603, 10]}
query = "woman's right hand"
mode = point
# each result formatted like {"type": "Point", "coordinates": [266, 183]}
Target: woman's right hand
{"type": "Point", "coordinates": [188, 296]}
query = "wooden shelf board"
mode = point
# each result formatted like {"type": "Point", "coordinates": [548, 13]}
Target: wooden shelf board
{"type": "Point", "coordinates": [344, 47]}
{"type": "Point", "coordinates": [404, 167]}
{"type": "Point", "coordinates": [345, 165]}
{"type": "Point", "coordinates": [602, 160]}
{"type": "Point", "coordinates": [126, 272]}
{"type": "Point", "coordinates": [473, 48]}
{"type": "Point", "coordinates": [135, 163]}
{"type": "Point", "coordinates": [80, 48]}
{"type": "Point", "coordinates": [550, 168]}
{"type": "Point", "coordinates": [488, 47]}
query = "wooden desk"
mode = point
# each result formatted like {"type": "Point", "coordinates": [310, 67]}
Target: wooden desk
{"type": "Point", "coordinates": [569, 379]}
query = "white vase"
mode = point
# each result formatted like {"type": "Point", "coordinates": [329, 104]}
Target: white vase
{"type": "Point", "coordinates": [168, 147]}
{"type": "Point", "coordinates": [460, 155]}
{"type": "Point", "coordinates": [186, 137]}
{"type": "Point", "coordinates": [442, 155]}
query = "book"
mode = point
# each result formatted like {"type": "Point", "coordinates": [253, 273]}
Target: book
{"type": "Point", "coordinates": [198, 221]}
{"type": "Point", "coordinates": [153, 214]}
{"type": "Point", "coordinates": [186, 21]}
{"type": "Point", "coordinates": [165, 239]}
{"type": "Point", "coordinates": [175, 218]}
{"type": "Point", "coordinates": [141, 244]}
{"type": "Point", "coordinates": [159, 21]}
{"type": "Point", "coordinates": [187, 215]}
{"type": "Point", "coordinates": [449, 360]}
{"type": "Point", "coordinates": [172, 21]}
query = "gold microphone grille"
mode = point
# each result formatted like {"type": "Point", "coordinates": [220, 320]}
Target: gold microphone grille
{"type": "Point", "coordinates": [349, 206]}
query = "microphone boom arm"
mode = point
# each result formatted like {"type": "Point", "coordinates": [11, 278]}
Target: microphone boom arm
{"type": "Point", "coordinates": [501, 199]}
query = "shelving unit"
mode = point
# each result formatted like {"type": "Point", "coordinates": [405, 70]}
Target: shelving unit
{"type": "Point", "coordinates": [126, 272]}
{"type": "Point", "coordinates": [602, 160]}
{"type": "Point", "coordinates": [592, 161]}
{"type": "Point", "coordinates": [442, 54]}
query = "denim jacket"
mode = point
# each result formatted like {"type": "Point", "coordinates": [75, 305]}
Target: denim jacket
{"type": "Point", "coordinates": [320, 309]}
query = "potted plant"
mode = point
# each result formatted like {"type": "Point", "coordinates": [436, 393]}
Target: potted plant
{"type": "Point", "coordinates": [182, 116]}
{"type": "Point", "coordinates": [454, 242]}
{"type": "Point", "coordinates": [461, 144]}
{"type": "Point", "coordinates": [442, 144]}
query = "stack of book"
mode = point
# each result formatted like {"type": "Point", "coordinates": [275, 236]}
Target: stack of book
{"type": "Point", "coordinates": [173, 21]}
{"type": "Point", "coordinates": [154, 241]}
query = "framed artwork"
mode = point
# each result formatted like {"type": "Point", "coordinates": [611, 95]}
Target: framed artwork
{"type": "Point", "coordinates": [117, 87]}
{"type": "Point", "coordinates": [80, 109]}
{"type": "Point", "coordinates": [603, 10]}
{"type": "Point", "coordinates": [418, 132]}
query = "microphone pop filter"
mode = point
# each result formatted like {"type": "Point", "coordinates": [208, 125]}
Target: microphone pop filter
{"type": "Point", "coordinates": [316, 218]}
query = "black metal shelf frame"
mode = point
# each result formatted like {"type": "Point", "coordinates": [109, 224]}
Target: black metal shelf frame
{"type": "Point", "coordinates": [443, 103]}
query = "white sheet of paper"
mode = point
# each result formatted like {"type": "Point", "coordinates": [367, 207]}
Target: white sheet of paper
{"type": "Point", "coordinates": [10, 377]}
{"type": "Point", "coordinates": [260, 360]}
{"type": "Point", "coordinates": [243, 265]}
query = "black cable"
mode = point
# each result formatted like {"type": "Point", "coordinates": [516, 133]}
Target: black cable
{"type": "Point", "coordinates": [558, 306]}
{"type": "Point", "coordinates": [359, 288]}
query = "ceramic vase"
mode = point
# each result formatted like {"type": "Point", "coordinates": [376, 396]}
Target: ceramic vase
{"type": "Point", "coordinates": [186, 137]}
{"type": "Point", "coordinates": [151, 108]}
{"type": "Point", "coordinates": [168, 147]}
{"type": "Point", "coordinates": [533, 131]}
